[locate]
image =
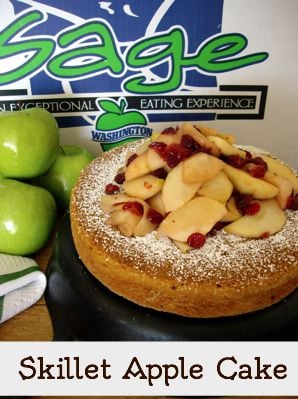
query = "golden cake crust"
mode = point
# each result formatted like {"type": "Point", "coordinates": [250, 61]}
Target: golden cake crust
{"type": "Point", "coordinates": [228, 276]}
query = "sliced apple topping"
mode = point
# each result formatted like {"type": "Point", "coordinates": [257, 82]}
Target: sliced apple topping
{"type": "Point", "coordinates": [198, 215]}
{"type": "Point", "coordinates": [143, 187]}
{"type": "Point", "coordinates": [227, 137]}
{"type": "Point", "coordinates": [108, 202]}
{"type": "Point", "coordinates": [232, 206]}
{"type": "Point", "coordinates": [200, 138]}
{"type": "Point", "coordinates": [169, 136]}
{"type": "Point", "coordinates": [156, 202]}
{"type": "Point", "coordinates": [126, 222]}
{"type": "Point", "coordinates": [145, 225]}
{"type": "Point", "coordinates": [219, 188]}
{"type": "Point", "coordinates": [284, 185]}
{"type": "Point", "coordinates": [270, 219]}
{"type": "Point", "coordinates": [154, 160]}
{"type": "Point", "coordinates": [126, 215]}
{"type": "Point", "coordinates": [282, 170]}
{"type": "Point", "coordinates": [247, 184]}
{"type": "Point", "coordinates": [176, 192]}
{"type": "Point", "coordinates": [226, 148]}
{"type": "Point", "coordinates": [137, 167]}
{"type": "Point", "coordinates": [206, 130]}
{"type": "Point", "coordinates": [132, 216]}
{"type": "Point", "coordinates": [188, 182]}
{"type": "Point", "coordinates": [200, 168]}
{"type": "Point", "coordinates": [183, 246]}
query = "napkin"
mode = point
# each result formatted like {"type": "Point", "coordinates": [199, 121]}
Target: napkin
{"type": "Point", "coordinates": [22, 284]}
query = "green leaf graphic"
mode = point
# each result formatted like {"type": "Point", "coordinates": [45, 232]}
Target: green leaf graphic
{"type": "Point", "coordinates": [109, 106]}
{"type": "Point", "coordinates": [123, 105]}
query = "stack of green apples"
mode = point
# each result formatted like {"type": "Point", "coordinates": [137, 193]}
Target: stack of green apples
{"type": "Point", "coordinates": [36, 178]}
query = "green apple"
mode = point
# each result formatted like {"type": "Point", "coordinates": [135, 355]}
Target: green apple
{"type": "Point", "coordinates": [64, 172]}
{"type": "Point", "coordinates": [27, 216]}
{"type": "Point", "coordinates": [28, 142]}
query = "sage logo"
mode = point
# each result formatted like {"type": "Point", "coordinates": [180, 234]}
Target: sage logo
{"type": "Point", "coordinates": [117, 124]}
{"type": "Point", "coordinates": [92, 48]}
{"type": "Point", "coordinates": [148, 64]}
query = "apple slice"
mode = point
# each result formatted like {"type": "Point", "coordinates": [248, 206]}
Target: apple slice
{"type": "Point", "coordinates": [198, 215]}
{"type": "Point", "coordinates": [144, 226]}
{"type": "Point", "coordinates": [183, 246]}
{"type": "Point", "coordinates": [201, 167]}
{"type": "Point", "coordinates": [154, 160]}
{"type": "Point", "coordinates": [125, 221]}
{"type": "Point", "coordinates": [227, 137]}
{"type": "Point", "coordinates": [169, 138]}
{"type": "Point", "coordinates": [108, 201]}
{"type": "Point", "coordinates": [232, 207]}
{"type": "Point", "coordinates": [204, 141]}
{"type": "Point", "coordinates": [269, 220]}
{"type": "Point", "coordinates": [230, 217]}
{"type": "Point", "coordinates": [130, 223]}
{"type": "Point", "coordinates": [156, 203]}
{"type": "Point", "coordinates": [154, 136]}
{"type": "Point", "coordinates": [281, 169]}
{"type": "Point", "coordinates": [233, 212]}
{"type": "Point", "coordinates": [176, 191]}
{"type": "Point", "coordinates": [284, 185]}
{"type": "Point", "coordinates": [247, 184]}
{"type": "Point", "coordinates": [219, 188]}
{"type": "Point", "coordinates": [226, 148]}
{"type": "Point", "coordinates": [206, 130]}
{"type": "Point", "coordinates": [143, 187]}
{"type": "Point", "coordinates": [137, 167]}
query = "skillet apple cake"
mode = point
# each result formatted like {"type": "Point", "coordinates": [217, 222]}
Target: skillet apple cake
{"type": "Point", "coordinates": [189, 223]}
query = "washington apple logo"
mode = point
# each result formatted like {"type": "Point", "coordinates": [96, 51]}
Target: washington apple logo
{"type": "Point", "coordinates": [115, 115]}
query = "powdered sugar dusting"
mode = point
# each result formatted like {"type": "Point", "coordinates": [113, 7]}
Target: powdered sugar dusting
{"type": "Point", "coordinates": [224, 258]}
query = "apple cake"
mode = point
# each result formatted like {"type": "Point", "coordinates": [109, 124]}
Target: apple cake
{"type": "Point", "coordinates": [189, 223]}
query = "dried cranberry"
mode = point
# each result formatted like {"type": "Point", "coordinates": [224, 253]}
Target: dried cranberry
{"type": "Point", "coordinates": [242, 201]}
{"type": "Point", "coordinates": [256, 169]}
{"type": "Point", "coordinates": [154, 217]}
{"type": "Point", "coordinates": [161, 173]}
{"type": "Point", "coordinates": [259, 161]}
{"type": "Point", "coordinates": [120, 178]}
{"type": "Point", "coordinates": [174, 154]}
{"type": "Point", "coordinates": [266, 234]}
{"type": "Point", "coordinates": [158, 147]}
{"type": "Point", "coordinates": [111, 189]}
{"type": "Point", "coordinates": [252, 209]}
{"type": "Point", "coordinates": [191, 144]}
{"type": "Point", "coordinates": [218, 226]}
{"type": "Point", "coordinates": [235, 160]}
{"type": "Point", "coordinates": [134, 207]}
{"type": "Point", "coordinates": [131, 158]}
{"type": "Point", "coordinates": [292, 202]}
{"type": "Point", "coordinates": [169, 130]}
{"type": "Point", "coordinates": [196, 240]}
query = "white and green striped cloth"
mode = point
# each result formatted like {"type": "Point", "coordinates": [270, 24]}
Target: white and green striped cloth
{"type": "Point", "coordinates": [22, 283]}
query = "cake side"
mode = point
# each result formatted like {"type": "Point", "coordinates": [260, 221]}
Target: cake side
{"type": "Point", "coordinates": [202, 299]}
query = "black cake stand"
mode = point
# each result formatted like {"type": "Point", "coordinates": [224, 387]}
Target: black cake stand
{"type": "Point", "coordinates": [82, 309]}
